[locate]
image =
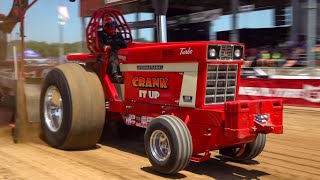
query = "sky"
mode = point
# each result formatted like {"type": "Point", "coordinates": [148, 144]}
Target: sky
{"type": "Point", "coordinates": [42, 22]}
{"type": "Point", "coordinates": [255, 19]}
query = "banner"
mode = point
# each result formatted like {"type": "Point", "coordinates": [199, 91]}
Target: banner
{"type": "Point", "coordinates": [183, 19]}
{"type": "Point", "coordinates": [297, 92]}
{"type": "Point", "coordinates": [63, 14]}
{"type": "Point", "coordinates": [197, 17]}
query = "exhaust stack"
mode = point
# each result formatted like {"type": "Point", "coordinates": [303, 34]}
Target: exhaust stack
{"type": "Point", "coordinates": [160, 9]}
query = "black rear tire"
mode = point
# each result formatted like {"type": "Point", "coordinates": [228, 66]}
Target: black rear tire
{"type": "Point", "coordinates": [251, 151]}
{"type": "Point", "coordinates": [83, 108]}
{"type": "Point", "coordinates": [179, 143]}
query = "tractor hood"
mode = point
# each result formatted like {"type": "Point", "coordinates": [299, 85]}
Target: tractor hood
{"type": "Point", "coordinates": [176, 52]}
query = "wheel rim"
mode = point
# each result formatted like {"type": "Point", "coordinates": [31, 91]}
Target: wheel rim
{"type": "Point", "coordinates": [53, 109]}
{"type": "Point", "coordinates": [159, 145]}
{"type": "Point", "coordinates": [238, 151]}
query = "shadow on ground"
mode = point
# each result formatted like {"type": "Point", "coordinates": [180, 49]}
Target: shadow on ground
{"type": "Point", "coordinates": [216, 167]}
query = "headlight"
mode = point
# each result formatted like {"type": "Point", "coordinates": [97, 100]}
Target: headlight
{"type": "Point", "coordinates": [212, 53]}
{"type": "Point", "coordinates": [237, 53]}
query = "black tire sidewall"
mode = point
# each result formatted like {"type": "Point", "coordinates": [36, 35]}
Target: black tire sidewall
{"type": "Point", "coordinates": [251, 150]}
{"type": "Point", "coordinates": [254, 148]}
{"type": "Point", "coordinates": [56, 78]}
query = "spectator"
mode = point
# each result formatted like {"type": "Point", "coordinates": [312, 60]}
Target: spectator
{"type": "Point", "coordinates": [285, 54]}
{"type": "Point", "coordinates": [294, 60]}
{"type": "Point", "coordinates": [264, 57]}
{"type": "Point", "coordinates": [275, 57]}
{"type": "Point", "coordinates": [301, 42]}
{"type": "Point", "coordinates": [251, 59]}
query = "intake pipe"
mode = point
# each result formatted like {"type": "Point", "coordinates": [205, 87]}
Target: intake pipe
{"type": "Point", "coordinates": [160, 9]}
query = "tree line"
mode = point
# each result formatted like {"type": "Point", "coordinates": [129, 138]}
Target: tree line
{"type": "Point", "coordinates": [46, 49]}
{"type": "Point", "coordinates": [52, 49]}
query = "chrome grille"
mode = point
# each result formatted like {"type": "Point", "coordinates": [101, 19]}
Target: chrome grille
{"type": "Point", "coordinates": [226, 52]}
{"type": "Point", "coordinates": [221, 83]}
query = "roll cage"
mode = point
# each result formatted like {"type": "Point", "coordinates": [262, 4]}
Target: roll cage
{"type": "Point", "coordinates": [95, 25]}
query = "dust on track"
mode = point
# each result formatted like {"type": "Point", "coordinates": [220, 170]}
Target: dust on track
{"type": "Point", "coordinates": [292, 155]}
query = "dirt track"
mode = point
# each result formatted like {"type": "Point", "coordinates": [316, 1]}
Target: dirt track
{"type": "Point", "coordinates": [293, 155]}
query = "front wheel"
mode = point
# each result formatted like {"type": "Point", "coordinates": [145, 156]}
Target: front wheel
{"type": "Point", "coordinates": [168, 144]}
{"type": "Point", "coordinates": [250, 151]}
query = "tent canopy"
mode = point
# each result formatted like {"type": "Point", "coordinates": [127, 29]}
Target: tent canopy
{"type": "Point", "coordinates": [31, 54]}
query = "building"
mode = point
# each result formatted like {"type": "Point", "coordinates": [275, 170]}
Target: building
{"type": "Point", "coordinates": [189, 20]}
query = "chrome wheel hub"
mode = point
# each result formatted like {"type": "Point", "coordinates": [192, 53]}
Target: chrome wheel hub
{"type": "Point", "coordinates": [53, 109]}
{"type": "Point", "coordinates": [159, 145]}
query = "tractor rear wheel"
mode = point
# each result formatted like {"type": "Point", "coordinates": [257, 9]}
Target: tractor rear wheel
{"type": "Point", "coordinates": [251, 150]}
{"type": "Point", "coordinates": [168, 144]}
{"type": "Point", "coordinates": [72, 108]}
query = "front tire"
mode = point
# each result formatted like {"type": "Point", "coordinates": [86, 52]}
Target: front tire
{"type": "Point", "coordinates": [72, 108]}
{"type": "Point", "coordinates": [168, 144]}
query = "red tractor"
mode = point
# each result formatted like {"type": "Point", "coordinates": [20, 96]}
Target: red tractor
{"type": "Point", "coordinates": [183, 93]}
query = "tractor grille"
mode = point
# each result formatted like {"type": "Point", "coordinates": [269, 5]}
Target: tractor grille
{"type": "Point", "coordinates": [221, 83]}
{"type": "Point", "coordinates": [226, 52]}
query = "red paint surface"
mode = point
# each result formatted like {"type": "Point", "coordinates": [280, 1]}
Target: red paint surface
{"type": "Point", "coordinates": [169, 89]}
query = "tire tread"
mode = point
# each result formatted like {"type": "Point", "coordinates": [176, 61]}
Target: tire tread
{"type": "Point", "coordinates": [184, 142]}
{"type": "Point", "coordinates": [87, 109]}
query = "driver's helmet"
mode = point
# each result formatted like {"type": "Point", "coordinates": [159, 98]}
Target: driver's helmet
{"type": "Point", "coordinates": [109, 26]}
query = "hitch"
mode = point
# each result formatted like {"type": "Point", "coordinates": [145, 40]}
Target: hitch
{"type": "Point", "coordinates": [203, 158]}
{"type": "Point", "coordinates": [263, 128]}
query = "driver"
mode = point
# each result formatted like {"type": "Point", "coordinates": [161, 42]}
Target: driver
{"type": "Point", "coordinates": [110, 42]}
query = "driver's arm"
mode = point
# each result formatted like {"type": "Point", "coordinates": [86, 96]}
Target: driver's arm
{"type": "Point", "coordinates": [121, 42]}
{"type": "Point", "coordinates": [101, 42]}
